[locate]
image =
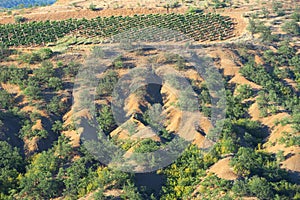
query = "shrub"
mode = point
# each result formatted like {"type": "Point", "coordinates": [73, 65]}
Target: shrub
{"type": "Point", "coordinates": [32, 92]}
{"type": "Point", "coordinates": [92, 7]}
{"type": "Point", "coordinates": [6, 100]}
{"type": "Point", "coordinates": [55, 83]}
{"type": "Point", "coordinates": [260, 188]}
{"type": "Point", "coordinates": [291, 27]}
{"type": "Point", "coordinates": [45, 53]}
{"type": "Point", "coordinates": [72, 69]}
{"type": "Point", "coordinates": [107, 83]}
{"type": "Point", "coordinates": [20, 19]}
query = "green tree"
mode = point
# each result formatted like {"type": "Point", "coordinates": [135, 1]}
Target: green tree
{"type": "Point", "coordinates": [244, 161]}
{"type": "Point", "coordinates": [39, 181]}
{"type": "Point", "coordinates": [107, 83]}
{"type": "Point", "coordinates": [106, 119]}
{"type": "Point", "coordinates": [291, 27]}
{"type": "Point", "coordinates": [56, 106]}
{"type": "Point", "coordinates": [11, 165]}
{"type": "Point", "coordinates": [45, 53]}
{"type": "Point", "coordinates": [260, 188]}
{"type": "Point", "coordinates": [33, 92]}
{"type": "Point", "coordinates": [245, 91]}
{"type": "Point", "coordinates": [55, 83]}
{"type": "Point", "coordinates": [57, 127]}
{"type": "Point", "coordinates": [131, 192]}
{"type": "Point", "coordinates": [6, 100]}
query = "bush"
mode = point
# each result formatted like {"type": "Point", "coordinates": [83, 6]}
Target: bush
{"type": "Point", "coordinates": [6, 100]}
{"type": "Point", "coordinates": [72, 69]}
{"type": "Point", "coordinates": [291, 27]}
{"type": "Point", "coordinates": [33, 92]}
{"type": "Point", "coordinates": [20, 19]}
{"type": "Point", "coordinates": [92, 7]}
{"type": "Point", "coordinates": [55, 83]}
{"type": "Point", "coordinates": [55, 106]}
{"type": "Point", "coordinates": [260, 188]}
{"type": "Point", "coordinates": [45, 72]}
{"type": "Point", "coordinates": [107, 83]}
{"type": "Point", "coordinates": [106, 119]}
{"type": "Point", "coordinates": [45, 53]}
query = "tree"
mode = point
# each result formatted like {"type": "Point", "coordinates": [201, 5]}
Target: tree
{"type": "Point", "coordinates": [63, 148]}
{"type": "Point", "coordinates": [131, 192]}
{"type": "Point", "coordinates": [71, 69]}
{"type": "Point", "coordinates": [45, 72]}
{"type": "Point", "coordinates": [75, 180]}
{"type": "Point", "coordinates": [20, 19]}
{"type": "Point", "coordinates": [260, 188]}
{"type": "Point", "coordinates": [6, 100]}
{"type": "Point", "coordinates": [244, 91]}
{"type": "Point", "coordinates": [92, 7]}
{"type": "Point", "coordinates": [56, 106]}
{"type": "Point", "coordinates": [244, 161]}
{"type": "Point", "coordinates": [154, 117]}
{"type": "Point", "coordinates": [39, 182]}
{"type": "Point", "coordinates": [55, 83]}
{"type": "Point", "coordinates": [106, 119]}
{"type": "Point", "coordinates": [240, 187]}
{"type": "Point", "coordinates": [45, 53]}
{"type": "Point", "coordinates": [107, 83]}
{"type": "Point", "coordinates": [265, 12]}
{"type": "Point", "coordinates": [33, 92]}
{"type": "Point", "coordinates": [291, 27]}
{"type": "Point", "coordinates": [11, 164]}
{"type": "Point", "coordinates": [296, 15]}
{"type": "Point", "coordinates": [57, 127]}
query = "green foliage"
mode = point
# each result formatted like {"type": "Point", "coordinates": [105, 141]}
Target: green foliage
{"type": "Point", "coordinates": [290, 140]}
{"type": "Point", "coordinates": [6, 100]}
{"type": "Point", "coordinates": [45, 72]}
{"type": "Point", "coordinates": [260, 188]}
{"type": "Point", "coordinates": [57, 127]}
{"type": "Point", "coordinates": [244, 91]}
{"type": "Point", "coordinates": [39, 181]}
{"type": "Point", "coordinates": [296, 15]}
{"type": "Point", "coordinates": [184, 174]}
{"type": "Point", "coordinates": [33, 92]}
{"type": "Point", "coordinates": [55, 83]}
{"type": "Point", "coordinates": [255, 186]}
{"type": "Point", "coordinates": [92, 7]}
{"type": "Point", "coordinates": [131, 192]}
{"type": "Point", "coordinates": [20, 19]}
{"type": "Point", "coordinates": [11, 164]}
{"type": "Point", "coordinates": [56, 106]}
{"type": "Point", "coordinates": [27, 132]}
{"type": "Point", "coordinates": [107, 83]}
{"type": "Point", "coordinates": [194, 10]}
{"type": "Point", "coordinates": [291, 27]}
{"type": "Point", "coordinates": [248, 162]}
{"type": "Point", "coordinates": [45, 53]}
{"type": "Point", "coordinates": [147, 145]}
{"type": "Point", "coordinates": [71, 69]}
{"type": "Point", "coordinates": [118, 62]}
{"type": "Point", "coordinates": [13, 75]}
{"type": "Point", "coordinates": [98, 52]}
{"type": "Point", "coordinates": [106, 119]}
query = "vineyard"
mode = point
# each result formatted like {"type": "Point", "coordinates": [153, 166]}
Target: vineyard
{"type": "Point", "coordinates": [200, 27]}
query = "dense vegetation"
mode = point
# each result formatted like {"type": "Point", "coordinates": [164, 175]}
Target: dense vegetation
{"type": "Point", "coordinates": [39, 161]}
